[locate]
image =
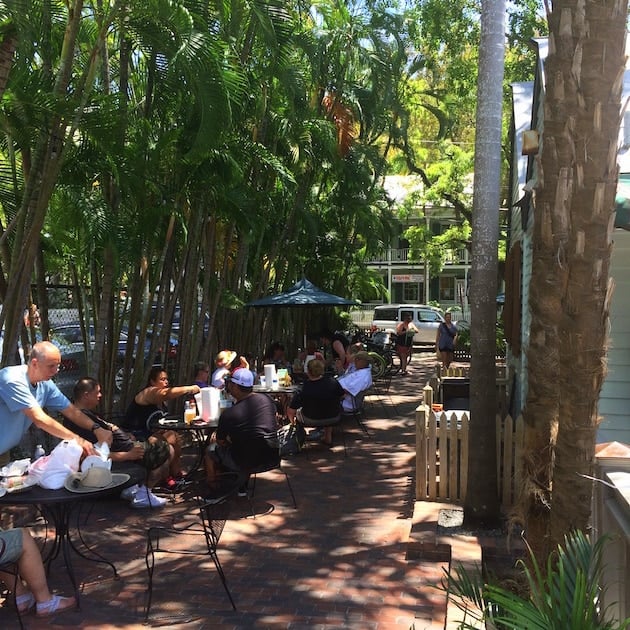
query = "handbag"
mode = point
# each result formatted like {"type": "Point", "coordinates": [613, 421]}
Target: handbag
{"type": "Point", "coordinates": [291, 438]}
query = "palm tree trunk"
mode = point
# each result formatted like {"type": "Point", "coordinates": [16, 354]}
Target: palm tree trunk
{"type": "Point", "coordinates": [482, 497]}
{"type": "Point", "coordinates": [570, 286]}
{"type": "Point", "coordinates": [585, 70]}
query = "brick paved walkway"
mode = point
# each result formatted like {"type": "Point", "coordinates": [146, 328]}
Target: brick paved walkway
{"type": "Point", "coordinates": [338, 561]}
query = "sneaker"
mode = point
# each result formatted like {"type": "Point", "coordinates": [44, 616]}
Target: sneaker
{"type": "Point", "coordinates": [129, 493]}
{"type": "Point", "coordinates": [146, 499]}
{"type": "Point", "coordinates": [315, 436]}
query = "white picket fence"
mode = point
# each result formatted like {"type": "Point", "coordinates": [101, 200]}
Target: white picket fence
{"type": "Point", "coordinates": [442, 449]}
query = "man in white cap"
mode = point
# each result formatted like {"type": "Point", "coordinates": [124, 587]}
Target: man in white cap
{"type": "Point", "coordinates": [247, 433]}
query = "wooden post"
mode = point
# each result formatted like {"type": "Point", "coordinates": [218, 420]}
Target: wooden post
{"type": "Point", "coordinates": [427, 395]}
{"type": "Point", "coordinates": [421, 450]}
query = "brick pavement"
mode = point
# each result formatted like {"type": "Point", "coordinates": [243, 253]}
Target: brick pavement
{"type": "Point", "coordinates": [338, 561]}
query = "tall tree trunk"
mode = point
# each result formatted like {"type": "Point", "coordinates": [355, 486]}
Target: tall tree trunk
{"type": "Point", "coordinates": [585, 75]}
{"type": "Point", "coordinates": [482, 498]}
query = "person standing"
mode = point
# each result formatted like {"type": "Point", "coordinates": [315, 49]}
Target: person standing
{"type": "Point", "coordinates": [24, 392]}
{"type": "Point", "coordinates": [404, 340]}
{"type": "Point", "coordinates": [445, 340]}
{"type": "Point", "coordinates": [337, 344]}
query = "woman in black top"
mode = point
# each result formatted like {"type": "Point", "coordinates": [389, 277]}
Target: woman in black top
{"type": "Point", "coordinates": [318, 401]}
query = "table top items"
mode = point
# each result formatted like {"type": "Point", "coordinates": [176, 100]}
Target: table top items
{"type": "Point", "coordinates": [17, 484]}
{"type": "Point", "coordinates": [16, 468]}
{"type": "Point", "coordinates": [50, 471]}
{"type": "Point", "coordinates": [208, 403]}
{"type": "Point", "coordinates": [15, 478]}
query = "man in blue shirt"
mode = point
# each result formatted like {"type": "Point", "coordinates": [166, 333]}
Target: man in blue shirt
{"type": "Point", "coordinates": [26, 389]}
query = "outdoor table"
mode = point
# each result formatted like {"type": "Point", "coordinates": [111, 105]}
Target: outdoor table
{"type": "Point", "coordinates": [200, 430]}
{"type": "Point", "coordinates": [57, 507]}
{"type": "Point", "coordinates": [282, 395]}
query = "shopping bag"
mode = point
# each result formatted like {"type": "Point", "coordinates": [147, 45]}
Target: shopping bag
{"type": "Point", "coordinates": [50, 471]}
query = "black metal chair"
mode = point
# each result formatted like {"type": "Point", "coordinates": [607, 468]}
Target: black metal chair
{"type": "Point", "coordinates": [335, 422]}
{"type": "Point", "coordinates": [251, 473]}
{"type": "Point", "coordinates": [213, 514]}
{"type": "Point", "coordinates": [11, 567]}
{"type": "Point", "coordinates": [358, 410]}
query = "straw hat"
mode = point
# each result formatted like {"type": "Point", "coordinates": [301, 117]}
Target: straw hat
{"type": "Point", "coordinates": [225, 357]}
{"type": "Point", "coordinates": [93, 479]}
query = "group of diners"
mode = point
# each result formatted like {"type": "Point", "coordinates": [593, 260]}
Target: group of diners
{"type": "Point", "coordinates": [244, 440]}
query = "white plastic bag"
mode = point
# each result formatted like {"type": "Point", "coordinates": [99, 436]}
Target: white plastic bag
{"type": "Point", "coordinates": [51, 471]}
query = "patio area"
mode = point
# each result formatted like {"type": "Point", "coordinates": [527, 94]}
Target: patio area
{"type": "Point", "coordinates": [338, 561]}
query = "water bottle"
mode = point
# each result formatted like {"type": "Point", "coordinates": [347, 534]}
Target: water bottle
{"type": "Point", "coordinates": [39, 452]}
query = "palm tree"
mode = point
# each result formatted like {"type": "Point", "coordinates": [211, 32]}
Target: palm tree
{"type": "Point", "coordinates": [482, 501]}
{"type": "Point", "coordinates": [570, 287]}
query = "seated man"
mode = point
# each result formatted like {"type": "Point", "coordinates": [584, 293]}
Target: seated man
{"type": "Point", "coordinates": [318, 401]}
{"type": "Point", "coordinates": [201, 375]}
{"type": "Point", "coordinates": [247, 433]}
{"type": "Point", "coordinates": [357, 381]}
{"type": "Point", "coordinates": [153, 456]}
{"type": "Point", "coordinates": [351, 353]}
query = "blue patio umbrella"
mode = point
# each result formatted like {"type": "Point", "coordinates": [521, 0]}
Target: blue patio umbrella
{"type": "Point", "coordinates": [302, 294]}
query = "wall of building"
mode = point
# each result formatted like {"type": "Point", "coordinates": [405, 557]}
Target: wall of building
{"type": "Point", "coordinates": [614, 401]}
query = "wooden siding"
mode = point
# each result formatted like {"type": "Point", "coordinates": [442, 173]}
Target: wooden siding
{"type": "Point", "coordinates": [614, 401]}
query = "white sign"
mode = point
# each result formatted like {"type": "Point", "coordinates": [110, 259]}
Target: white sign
{"type": "Point", "coordinates": [407, 277]}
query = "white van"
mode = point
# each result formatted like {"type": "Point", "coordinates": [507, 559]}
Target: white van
{"type": "Point", "coordinates": [426, 319]}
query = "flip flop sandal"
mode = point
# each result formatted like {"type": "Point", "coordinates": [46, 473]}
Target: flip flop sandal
{"type": "Point", "coordinates": [55, 605]}
{"type": "Point", "coordinates": [25, 603]}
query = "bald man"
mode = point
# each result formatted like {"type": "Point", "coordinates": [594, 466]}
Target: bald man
{"type": "Point", "coordinates": [24, 392]}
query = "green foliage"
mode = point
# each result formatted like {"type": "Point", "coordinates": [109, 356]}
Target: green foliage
{"type": "Point", "coordinates": [435, 249]}
{"type": "Point", "coordinates": [566, 593]}
{"type": "Point", "coordinates": [463, 338]}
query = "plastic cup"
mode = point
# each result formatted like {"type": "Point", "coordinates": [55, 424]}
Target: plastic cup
{"type": "Point", "coordinates": [263, 381]}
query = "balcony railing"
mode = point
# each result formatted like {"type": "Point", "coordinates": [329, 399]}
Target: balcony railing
{"type": "Point", "coordinates": [401, 256]}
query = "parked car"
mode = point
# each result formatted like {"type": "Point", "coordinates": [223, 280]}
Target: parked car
{"type": "Point", "coordinates": [426, 319]}
{"type": "Point", "coordinates": [69, 339]}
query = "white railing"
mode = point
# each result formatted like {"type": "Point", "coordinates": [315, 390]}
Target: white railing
{"type": "Point", "coordinates": [401, 255]}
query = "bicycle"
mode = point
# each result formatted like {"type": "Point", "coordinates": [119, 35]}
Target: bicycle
{"type": "Point", "coordinates": [379, 345]}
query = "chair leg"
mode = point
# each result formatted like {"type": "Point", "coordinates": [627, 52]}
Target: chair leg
{"type": "Point", "coordinates": [343, 437]}
{"type": "Point", "coordinates": [286, 476]}
{"type": "Point", "coordinates": [150, 566]}
{"type": "Point", "coordinates": [250, 493]}
{"type": "Point", "coordinates": [357, 416]}
{"type": "Point", "coordinates": [219, 569]}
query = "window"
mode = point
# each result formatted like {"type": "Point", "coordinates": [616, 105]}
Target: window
{"type": "Point", "coordinates": [411, 293]}
{"type": "Point", "coordinates": [447, 288]}
{"type": "Point", "coordinates": [386, 313]}
{"type": "Point", "coordinates": [429, 315]}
